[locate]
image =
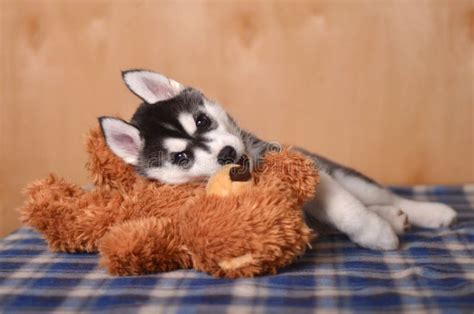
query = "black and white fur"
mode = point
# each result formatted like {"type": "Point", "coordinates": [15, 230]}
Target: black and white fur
{"type": "Point", "coordinates": [178, 135]}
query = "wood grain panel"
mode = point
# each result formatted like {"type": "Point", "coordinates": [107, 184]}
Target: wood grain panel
{"type": "Point", "coordinates": [384, 86]}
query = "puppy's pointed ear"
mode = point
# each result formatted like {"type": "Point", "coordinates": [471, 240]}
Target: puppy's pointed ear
{"type": "Point", "coordinates": [151, 86]}
{"type": "Point", "coordinates": [123, 139]}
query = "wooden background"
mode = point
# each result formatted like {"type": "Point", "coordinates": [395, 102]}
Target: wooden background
{"type": "Point", "coordinates": [385, 86]}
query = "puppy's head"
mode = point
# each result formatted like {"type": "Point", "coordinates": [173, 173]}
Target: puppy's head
{"type": "Point", "coordinates": [177, 135]}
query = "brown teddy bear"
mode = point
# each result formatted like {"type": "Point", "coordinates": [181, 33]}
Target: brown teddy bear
{"type": "Point", "coordinates": [239, 225]}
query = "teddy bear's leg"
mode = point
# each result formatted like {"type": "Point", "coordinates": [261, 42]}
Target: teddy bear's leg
{"type": "Point", "coordinates": [58, 223]}
{"type": "Point", "coordinates": [52, 188]}
{"type": "Point", "coordinates": [143, 246]}
{"type": "Point", "coordinates": [52, 219]}
{"type": "Point", "coordinates": [49, 208]}
{"type": "Point", "coordinates": [70, 219]}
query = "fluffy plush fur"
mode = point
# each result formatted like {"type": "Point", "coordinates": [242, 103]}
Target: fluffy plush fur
{"type": "Point", "coordinates": [140, 226]}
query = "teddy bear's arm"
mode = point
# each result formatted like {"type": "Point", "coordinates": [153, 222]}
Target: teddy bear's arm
{"type": "Point", "coordinates": [105, 169]}
{"type": "Point", "coordinates": [297, 173]}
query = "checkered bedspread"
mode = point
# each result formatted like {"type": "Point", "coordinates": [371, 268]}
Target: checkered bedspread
{"type": "Point", "coordinates": [432, 272]}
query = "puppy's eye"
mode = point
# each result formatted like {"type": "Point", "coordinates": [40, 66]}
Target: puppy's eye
{"type": "Point", "coordinates": [181, 159]}
{"type": "Point", "coordinates": [203, 122]}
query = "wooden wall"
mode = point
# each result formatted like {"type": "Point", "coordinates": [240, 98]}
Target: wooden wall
{"type": "Point", "coordinates": [383, 85]}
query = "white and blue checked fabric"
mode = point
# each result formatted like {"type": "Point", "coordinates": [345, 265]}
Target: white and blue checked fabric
{"type": "Point", "coordinates": [432, 272]}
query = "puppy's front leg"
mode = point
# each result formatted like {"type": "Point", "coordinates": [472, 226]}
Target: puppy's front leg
{"type": "Point", "coordinates": [336, 206]}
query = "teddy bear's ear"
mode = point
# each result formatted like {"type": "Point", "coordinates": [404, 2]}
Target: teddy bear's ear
{"type": "Point", "coordinates": [151, 86]}
{"type": "Point", "coordinates": [122, 138]}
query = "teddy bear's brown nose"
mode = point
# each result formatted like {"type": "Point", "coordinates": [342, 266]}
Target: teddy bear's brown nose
{"type": "Point", "coordinates": [244, 161]}
{"type": "Point", "coordinates": [241, 173]}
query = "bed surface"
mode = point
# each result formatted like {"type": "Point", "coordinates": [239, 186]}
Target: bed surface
{"type": "Point", "coordinates": [432, 272]}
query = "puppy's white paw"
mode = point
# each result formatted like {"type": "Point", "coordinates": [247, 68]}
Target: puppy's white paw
{"type": "Point", "coordinates": [394, 215]}
{"type": "Point", "coordinates": [377, 235]}
{"type": "Point", "coordinates": [428, 215]}
{"type": "Point", "coordinates": [438, 215]}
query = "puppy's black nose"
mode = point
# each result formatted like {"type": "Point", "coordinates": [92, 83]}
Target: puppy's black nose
{"type": "Point", "coordinates": [227, 155]}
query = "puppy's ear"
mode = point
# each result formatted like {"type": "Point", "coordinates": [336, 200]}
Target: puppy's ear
{"type": "Point", "coordinates": [122, 138]}
{"type": "Point", "coordinates": [151, 86]}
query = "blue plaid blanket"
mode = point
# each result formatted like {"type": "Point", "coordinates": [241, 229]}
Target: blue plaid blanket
{"type": "Point", "coordinates": [432, 272]}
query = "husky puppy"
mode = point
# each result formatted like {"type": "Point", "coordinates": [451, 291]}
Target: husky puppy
{"type": "Point", "coordinates": [178, 135]}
